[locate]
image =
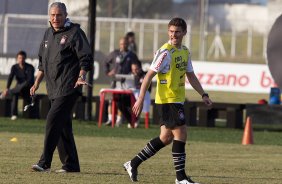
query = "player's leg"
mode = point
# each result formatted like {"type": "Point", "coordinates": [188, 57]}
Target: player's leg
{"type": "Point", "coordinates": [66, 144]}
{"type": "Point", "coordinates": [178, 151]}
{"type": "Point", "coordinates": [53, 130]}
{"type": "Point", "coordinates": [155, 144]}
{"type": "Point", "coordinates": [109, 122]}
{"type": "Point", "coordinates": [67, 150]}
{"type": "Point", "coordinates": [151, 148]}
{"type": "Point", "coordinates": [179, 155]}
{"type": "Point", "coordinates": [124, 105]}
{"type": "Point", "coordinates": [14, 107]}
{"type": "Point", "coordinates": [60, 108]}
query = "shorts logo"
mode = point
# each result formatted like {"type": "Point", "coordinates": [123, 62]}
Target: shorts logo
{"type": "Point", "coordinates": [181, 115]}
{"type": "Point", "coordinates": [163, 81]}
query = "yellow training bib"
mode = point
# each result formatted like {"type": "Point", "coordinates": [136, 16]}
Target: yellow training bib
{"type": "Point", "coordinates": [171, 85]}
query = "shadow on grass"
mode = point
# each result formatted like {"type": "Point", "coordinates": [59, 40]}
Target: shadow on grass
{"type": "Point", "coordinates": [236, 177]}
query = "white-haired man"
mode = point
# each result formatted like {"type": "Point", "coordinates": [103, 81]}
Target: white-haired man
{"type": "Point", "coordinates": [64, 58]}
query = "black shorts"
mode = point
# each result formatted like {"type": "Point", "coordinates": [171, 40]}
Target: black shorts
{"type": "Point", "coordinates": [171, 114]}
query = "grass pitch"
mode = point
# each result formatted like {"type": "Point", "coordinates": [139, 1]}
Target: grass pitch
{"type": "Point", "coordinates": [214, 155]}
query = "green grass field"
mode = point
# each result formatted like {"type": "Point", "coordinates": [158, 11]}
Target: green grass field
{"type": "Point", "coordinates": [214, 155]}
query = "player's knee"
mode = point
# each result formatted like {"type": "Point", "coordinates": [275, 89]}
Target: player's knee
{"type": "Point", "coordinates": [166, 139]}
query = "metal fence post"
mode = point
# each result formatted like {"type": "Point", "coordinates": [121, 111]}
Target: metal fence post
{"type": "Point", "coordinates": [233, 43]}
{"type": "Point", "coordinates": [112, 37]}
{"type": "Point", "coordinates": [141, 41]}
{"type": "Point", "coordinates": [156, 37]}
{"type": "Point", "coordinates": [5, 34]}
{"type": "Point", "coordinates": [250, 42]}
{"type": "Point", "coordinates": [97, 37]}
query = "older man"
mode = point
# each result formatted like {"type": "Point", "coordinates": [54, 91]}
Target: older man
{"type": "Point", "coordinates": [64, 58]}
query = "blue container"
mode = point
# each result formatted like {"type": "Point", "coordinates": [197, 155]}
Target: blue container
{"type": "Point", "coordinates": [274, 96]}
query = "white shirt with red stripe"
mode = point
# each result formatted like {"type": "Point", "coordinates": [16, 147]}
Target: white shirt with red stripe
{"type": "Point", "coordinates": [162, 60]}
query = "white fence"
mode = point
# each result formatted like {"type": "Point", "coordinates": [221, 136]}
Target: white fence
{"type": "Point", "coordinates": [18, 31]}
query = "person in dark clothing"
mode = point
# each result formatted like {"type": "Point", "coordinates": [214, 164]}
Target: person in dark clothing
{"type": "Point", "coordinates": [24, 74]}
{"type": "Point", "coordinates": [138, 74]}
{"type": "Point", "coordinates": [131, 41]}
{"type": "Point", "coordinates": [64, 58]}
{"type": "Point", "coordinates": [119, 62]}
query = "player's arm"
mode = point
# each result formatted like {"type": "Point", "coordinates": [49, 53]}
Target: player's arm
{"type": "Point", "coordinates": [146, 83]}
{"type": "Point", "coordinates": [193, 80]}
{"type": "Point", "coordinates": [138, 106]}
{"type": "Point", "coordinates": [160, 64]}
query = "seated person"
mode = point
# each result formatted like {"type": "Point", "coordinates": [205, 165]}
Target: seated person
{"type": "Point", "coordinates": [119, 62]}
{"type": "Point", "coordinates": [24, 74]}
{"type": "Point", "coordinates": [138, 76]}
{"type": "Point", "coordinates": [131, 41]}
{"type": "Point", "coordinates": [123, 100]}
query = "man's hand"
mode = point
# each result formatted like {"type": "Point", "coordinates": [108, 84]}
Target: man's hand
{"type": "Point", "coordinates": [80, 81]}
{"type": "Point", "coordinates": [5, 92]}
{"type": "Point", "coordinates": [33, 89]}
{"type": "Point", "coordinates": [207, 101]}
{"type": "Point", "coordinates": [138, 106]}
{"type": "Point", "coordinates": [112, 73]}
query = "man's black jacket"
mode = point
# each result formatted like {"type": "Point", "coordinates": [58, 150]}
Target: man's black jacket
{"type": "Point", "coordinates": [61, 56]}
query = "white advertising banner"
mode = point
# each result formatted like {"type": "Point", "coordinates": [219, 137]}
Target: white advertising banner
{"type": "Point", "coordinates": [247, 78]}
{"type": "Point", "coordinates": [214, 76]}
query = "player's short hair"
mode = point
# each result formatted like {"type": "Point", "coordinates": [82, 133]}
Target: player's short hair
{"type": "Point", "coordinates": [178, 22]}
{"type": "Point", "coordinates": [21, 53]}
{"type": "Point", "coordinates": [59, 5]}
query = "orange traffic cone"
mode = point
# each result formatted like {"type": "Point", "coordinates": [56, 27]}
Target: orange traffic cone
{"type": "Point", "coordinates": [248, 133]}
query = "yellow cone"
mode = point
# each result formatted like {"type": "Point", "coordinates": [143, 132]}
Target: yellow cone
{"type": "Point", "coordinates": [14, 139]}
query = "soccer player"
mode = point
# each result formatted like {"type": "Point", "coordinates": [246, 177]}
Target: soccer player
{"type": "Point", "coordinates": [171, 62]}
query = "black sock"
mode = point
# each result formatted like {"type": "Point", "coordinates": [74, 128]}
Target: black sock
{"type": "Point", "coordinates": [179, 157]}
{"type": "Point", "coordinates": [150, 150]}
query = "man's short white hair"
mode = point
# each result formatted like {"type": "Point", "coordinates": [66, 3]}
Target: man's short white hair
{"type": "Point", "coordinates": [59, 5]}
